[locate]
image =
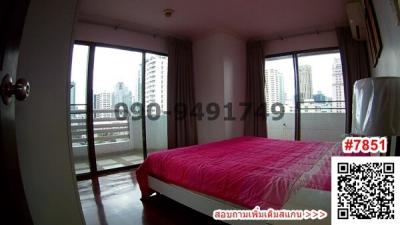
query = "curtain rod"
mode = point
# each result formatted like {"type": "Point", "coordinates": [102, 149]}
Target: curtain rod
{"type": "Point", "coordinates": [167, 35]}
{"type": "Point", "coordinates": [316, 32]}
{"type": "Point", "coordinates": [120, 26]}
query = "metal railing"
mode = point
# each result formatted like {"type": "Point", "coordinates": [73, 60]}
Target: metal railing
{"type": "Point", "coordinates": [107, 129]}
{"type": "Point", "coordinates": [321, 108]}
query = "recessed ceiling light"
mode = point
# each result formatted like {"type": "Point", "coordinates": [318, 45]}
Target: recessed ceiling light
{"type": "Point", "coordinates": [168, 12]}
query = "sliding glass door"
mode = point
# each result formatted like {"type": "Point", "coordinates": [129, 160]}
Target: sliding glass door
{"type": "Point", "coordinates": [78, 108]}
{"type": "Point", "coordinates": [321, 91]}
{"type": "Point", "coordinates": [309, 88]}
{"type": "Point", "coordinates": [116, 81]}
{"type": "Point", "coordinates": [118, 106]}
{"type": "Point", "coordinates": [280, 97]}
{"type": "Point", "coordinates": [156, 101]}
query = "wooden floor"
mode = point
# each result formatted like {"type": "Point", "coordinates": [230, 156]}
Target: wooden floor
{"type": "Point", "coordinates": [115, 200]}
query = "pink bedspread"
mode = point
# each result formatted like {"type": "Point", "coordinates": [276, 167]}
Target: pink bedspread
{"type": "Point", "coordinates": [247, 171]}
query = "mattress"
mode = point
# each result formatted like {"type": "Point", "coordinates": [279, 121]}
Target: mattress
{"type": "Point", "coordinates": [246, 171]}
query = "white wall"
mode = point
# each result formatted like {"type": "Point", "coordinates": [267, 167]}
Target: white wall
{"type": "Point", "coordinates": [109, 35]}
{"type": "Point", "coordinates": [388, 64]}
{"type": "Point", "coordinates": [303, 42]}
{"type": "Point", "coordinates": [209, 84]}
{"type": "Point", "coordinates": [234, 62]}
{"type": "Point", "coordinates": [42, 122]}
{"type": "Point", "coordinates": [219, 75]}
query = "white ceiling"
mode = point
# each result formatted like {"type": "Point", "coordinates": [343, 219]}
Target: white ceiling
{"type": "Point", "coordinates": [264, 19]}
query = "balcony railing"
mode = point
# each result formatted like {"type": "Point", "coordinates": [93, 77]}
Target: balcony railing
{"type": "Point", "coordinates": [107, 129]}
{"type": "Point", "coordinates": [319, 121]}
{"type": "Point", "coordinates": [115, 136]}
{"type": "Point", "coordinates": [322, 106]}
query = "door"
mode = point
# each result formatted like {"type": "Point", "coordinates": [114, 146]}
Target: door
{"type": "Point", "coordinates": [14, 207]}
{"type": "Point", "coordinates": [321, 91]}
{"type": "Point", "coordinates": [280, 97]}
{"type": "Point", "coordinates": [105, 78]}
{"type": "Point", "coordinates": [117, 80]}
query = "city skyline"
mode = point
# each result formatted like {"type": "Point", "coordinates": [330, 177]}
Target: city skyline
{"type": "Point", "coordinates": [117, 77]}
{"type": "Point", "coordinates": [316, 74]}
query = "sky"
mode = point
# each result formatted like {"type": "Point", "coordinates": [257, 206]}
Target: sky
{"type": "Point", "coordinates": [78, 72]}
{"type": "Point", "coordinates": [110, 66]}
{"type": "Point", "coordinates": [114, 65]}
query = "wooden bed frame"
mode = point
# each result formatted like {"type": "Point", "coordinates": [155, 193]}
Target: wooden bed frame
{"type": "Point", "coordinates": [305, 198]}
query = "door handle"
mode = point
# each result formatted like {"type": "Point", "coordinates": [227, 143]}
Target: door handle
{"type": "Point", "coordinates": [20, 89]}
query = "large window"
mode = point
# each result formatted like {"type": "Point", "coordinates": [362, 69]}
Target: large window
{"type": "Point", "coordinates": [78, 85]}
{"type": "Point", "coordinates": [156, 101]}
{"type": "Point", "coordinates": [308, 87]}
{"type": "Point", "coordinates": [116, 73]}
{"type": "Point", "coordinates": [280, 95]}
{"type": "Point", "coordinates": [321, 92]}
{"type": "Point", "coordinates": [127, 94]}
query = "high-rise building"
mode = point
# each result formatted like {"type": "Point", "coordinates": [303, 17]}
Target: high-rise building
{"type": "Point", "coordinates": [122, 94]}
{"type": "Point", "coordinates": [137, 95]}
{"type": "Point", "coordinates": [337, 86]}
{"type": "Point", "coordinates": [103, 100]}
{"type": "Point", "coordinates": [156, 80]}
{"type": "Point", "coordinates": [274, 88]}
{"type": "Point", "coordinates": [73, 106]}
{"type": "Point", "coordinates": [305, 77]}
{"type": "Point", "coordinates": [320, 97]}
{"type": "Point", "coordinates": [73, 94]}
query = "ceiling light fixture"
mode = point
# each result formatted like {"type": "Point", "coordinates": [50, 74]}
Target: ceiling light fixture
{"type": "Point", "coordinates": [168, 12]}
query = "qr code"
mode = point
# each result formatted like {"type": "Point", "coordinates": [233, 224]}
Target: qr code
{"type": "Point", "coordinates": [364, 189]}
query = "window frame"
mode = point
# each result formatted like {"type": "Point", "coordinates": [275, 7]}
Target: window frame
{"type": "Point", "coordinates": [89, 105]}
{"type": "Point", "coordinates": [295, 56]}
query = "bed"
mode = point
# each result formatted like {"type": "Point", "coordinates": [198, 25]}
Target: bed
{"type": "Point", "coordinates": [239, 173]}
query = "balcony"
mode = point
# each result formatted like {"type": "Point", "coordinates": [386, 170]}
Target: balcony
{"type": "Point", "coordinates": [118, 143]}
{"type": "Point", "coordinates": [316, 123]}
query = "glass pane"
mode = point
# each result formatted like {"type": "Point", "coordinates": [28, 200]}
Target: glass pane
{"type": "Point", "coordinates": [116, 81]}
{"type": "Point", "coordinates": [78, 108]}
{"type": "Point", "coordinates": [156, 102]}
{"type": "Point", "coordinates": [279, 95]}
{"type": "Point", "coordinates": [321, 97]}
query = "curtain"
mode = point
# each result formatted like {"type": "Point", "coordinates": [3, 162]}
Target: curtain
{"type": "Point", "coordinates": [355, 66]}
{"type": "Point", "coordinates": [255, 123]}
{"type": "Point", "coordinates": [182, 128]}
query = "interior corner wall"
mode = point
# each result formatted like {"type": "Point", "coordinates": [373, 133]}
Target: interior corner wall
{"type": "Point", "coordinates": [121, 37]}
{"type": "Point", "coordinates": [388, 64]}
{"type": "Point", "coordinates": [302, 42]}
{"type": "Point", "coordinates": [219, 75]}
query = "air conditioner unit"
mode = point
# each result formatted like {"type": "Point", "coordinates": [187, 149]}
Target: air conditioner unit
{"type": "Point", "coordinates": [355, 14]}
